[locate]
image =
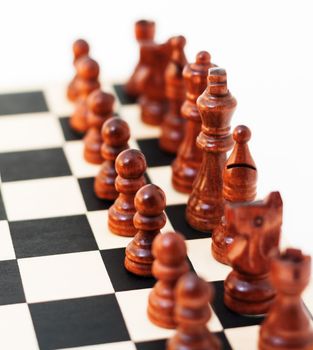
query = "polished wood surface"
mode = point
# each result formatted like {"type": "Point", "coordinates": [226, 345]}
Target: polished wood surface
{"type": "Point", "coordinates": [144, 32]}
{"type": "Point", "coordinates": [150, 203]}
{"type": "Point", "coordinates": [80, 49]}
{"type": "Point", "coordinates": [115, 134]}
{"type": "Point", "coordinates": [99, 109]}
{"type": "Point", "coordinates": [288, 325]}
{"type": "Point", "coordinates": [170, 253]}
{"type": "Point", "coordinates": [188, 160]}
{"type": "Point", "coordinates": [216, 106]}
{"type": "Point", "coordinates": [192, 313]}
{"type": "Point", "coordinates": [130, 166]}
{"type": "Point", "coordinates": [86, 82]}
{"type": "Point", "coordinates": [239, 185]}
{"type": "Point", "coordinates": [257, 227]}
{"type": "Point", "coordinates": [172, 127]}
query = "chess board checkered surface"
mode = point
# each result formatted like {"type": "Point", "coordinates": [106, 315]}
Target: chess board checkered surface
{"type": "Point", "coordinates": [62, 280]}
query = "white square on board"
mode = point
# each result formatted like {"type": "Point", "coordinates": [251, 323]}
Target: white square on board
{"type": "Point", "coordinates": [64, 276]}
{"type": "Point", "coordinates": [34, 199]}
{"type": "Point", "coordinates": [243, 338]}
{"type": "Point", "coordinates": [6, 245]}
{"type": "Point", "coordinates": [29, 131]}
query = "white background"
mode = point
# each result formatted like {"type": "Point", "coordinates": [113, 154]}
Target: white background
{"type": "Point", "coordinates": [266, 47]}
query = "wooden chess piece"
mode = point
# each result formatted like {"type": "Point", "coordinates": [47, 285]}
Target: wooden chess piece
{"type": "Point", "coordinates": [170, 253]}
{"type": "Point", "coordinates": [239, 185]}
{"type": "Point", "coordinates": [100, 108]}
{"type": "Point", "coordinates": [257, 226]}
{"type": "Point", "coordinates": [130, 166]}
{"type": "Point", "coordinates": [86, 82]}
{"type": "Point", "coordinates": [115, 135]}
{"type": "Point", "coordinates": [189, 156]}
{"type": "Point", "coordinates": [153, 102]}
{"type": "Point", "coordinates": [144, 32]}
{"type": "Point", "coordinates": [216, 106]}
{"type": "Point", "coordinates": [288, 324]}
{"type": "Point", "coordinates": [80, 49]}
{"type": "Point", "coordinates": [150, 203]}
{"type": "Point", "coordinates": [172, 127]}
{"type": "Point", "coordinates": [192, 313]}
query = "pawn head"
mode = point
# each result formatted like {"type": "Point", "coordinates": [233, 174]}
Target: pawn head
{"type": "Point", "coordinates": [115, 132]}
{"type": "Point", "coordinates": [80, 48]}
{"type": "Point", "coordinates": [150, 200]}
{"type": "Point", "coordinates": [203, 58]}
{"type": "Point", "coordinates": [130, 164]}
{"type": "Point", "coordinates": [100, 102]}
{"type": "Point", "coordinates": [241, 134]}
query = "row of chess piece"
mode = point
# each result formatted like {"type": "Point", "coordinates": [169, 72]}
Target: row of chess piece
{"type": "Point", "coordinates": [246, 233]}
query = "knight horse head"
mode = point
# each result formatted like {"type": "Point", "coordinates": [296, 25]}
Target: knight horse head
{"type": "Point", "coordinates": [257, 227]}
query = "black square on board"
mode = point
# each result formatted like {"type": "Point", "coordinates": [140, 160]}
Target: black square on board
{"type": "Point", "coordinates": [154, 155]}
{"type": "Point", "coordinates": [151, 345]}
{"type": "Point", "coordinates": [68, 234]}
{"type": "Point", "coordinates": [23, 102]}
{"type": "Point", "coordinates": [36, 164]}
{"type": "Point", "coordinates": [121, 279]}
{"type": "Point", "coordinates": [91, 200]}
{"type": "Point", "coordinates": [78, 322]}
{"type": "Point", "coordinates": [3, 214]}
{"type": "Point", "coordinates": [11, 289]}
{"type": "Point", "coordinates": [122, 95]}
{"type": "Point", "coordinates": [177, 217]}
{"type": "Point", "coordinates": [68, 132]}
{"type": "Point", "coordinates": [228, 318]}
{"type": "Point", "coordinates": [224, 342]}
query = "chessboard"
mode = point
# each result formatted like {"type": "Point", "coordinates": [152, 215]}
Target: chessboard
{"type": "Point", "coordinates": [62, 280]}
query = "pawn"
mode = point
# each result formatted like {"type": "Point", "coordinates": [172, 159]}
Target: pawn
{"type": "Point", "coordinates": [100, 108]}
{"type": "Point", "coordinates": [86, 82]}
{"type": "Point", "coordinates": [115, 135]}
{"type": "Point", "coordinates": [288, 324]}
{"type": "Point", "coordinates": [144, 32]}
{"type": "Point", "coordinates": [149, 219]}
{"type": "Point", "coordinates": [80, 49]}
{"type": "Point", "coordinates": [239, 185]}
{"type": "Point", "coordinates": [172, 127]}
{"type": "Point", "coordinates": [170, 253]}
{"type": "Point", "coordinates": [192, 313]}
{"type": "Point", "coordinates": [130, 166]}
{"type": "Point", "coordinates": [257, 226]}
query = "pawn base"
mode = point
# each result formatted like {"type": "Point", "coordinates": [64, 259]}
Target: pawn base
{"type": "Point", "coordinates": [136, 268]}
{"type": "Point", "coordinates": [121, 223]}
{"type": "Point", "coordinates": [152, 112]}
{"type": "Point", "coordinates": [78, 120]}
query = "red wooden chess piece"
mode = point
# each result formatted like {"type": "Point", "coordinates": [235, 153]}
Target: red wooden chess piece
{"type": "Point", "coordinates": [144, 32]}
{"type": "Point", "coordinates": [216, 106]}
{"type": "Point", "coordinates": [170, 253]}
{"type": "Point", "coordinates": [189, 156]}
{"type": "Point", "coordinates": [172, 128]}
{"type": "Point", "coordinates": [86, 82]}
{"type": "Point", "coordinates": [100, 108]}
{"type": "Point", "coordinates": [288, 324]}
{"type": "Point", "coordinates": [192, 312]}
{"type": "Point", "coordinates": [257, 226]}
{"type": "Point", "coordinates": [80, 49]}
{"type": "Point", "coordinates": [152, 99]}
{"type": "Point", "coordinates": [239, 185]}
{"type": "Point", "coordinates": [148, 220]}
{"type": "Point", "coordinates": [115, 135]}
{"type": "Point", "coordinates": [130, 166]}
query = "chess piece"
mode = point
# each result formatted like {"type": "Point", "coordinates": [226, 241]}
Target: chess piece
{"type": "Point", "coordinates": [80, 49]}
{"type": "Point", "coordinates": [144, 32]}
{"type": "Point", "coordinates": [239, 185]}
{"type": "Point", "coordinates": [152, 99]}
{"type": "Point", "coordinates": [100, 108]}
{"type": "Point", "coordinates": [170, 253]}
{"type": "Point", "coordinates": [115, 135]}
{"type": "Point", "coordinates": [192, 313]}
{"type": "Point", "coordinates": [189, 156]}
{"type": "Point", "coordinates": [148, 220]}
{"type": "Point", "coordinates": [288, 324]}
{"type": "Point", "coordinates": [257, 226]}
{"type": "Point", "coordinates": [86, 82]}
{"type": "Point", "coordinates": [216, 106]}
{"type": "Point", "coordinates": [172, 128]}
{"type": "Point", "coordinates": [130, 166]}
